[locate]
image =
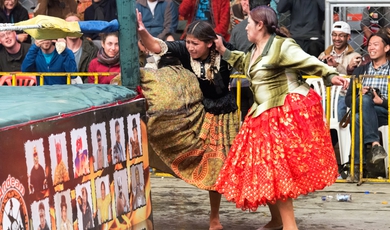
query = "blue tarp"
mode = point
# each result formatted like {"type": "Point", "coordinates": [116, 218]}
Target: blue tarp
{"type": "Point", "coordinates": [23, 104]}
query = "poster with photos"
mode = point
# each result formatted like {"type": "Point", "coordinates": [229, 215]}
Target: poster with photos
{"type": "Point", "coordinates": [61, 179]}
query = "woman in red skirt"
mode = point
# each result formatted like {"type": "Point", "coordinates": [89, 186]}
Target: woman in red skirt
{"type": "Point", "coordinates": [284, 148]}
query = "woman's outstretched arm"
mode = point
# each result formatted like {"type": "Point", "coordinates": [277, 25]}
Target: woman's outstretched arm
{"type": "Point", "coordinates": [147, 39]}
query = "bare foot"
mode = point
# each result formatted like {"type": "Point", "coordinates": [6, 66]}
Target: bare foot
{"type": "Point", "coordinates": [215, 226]}
{"type": "Point", "coordinates": [272, 225]}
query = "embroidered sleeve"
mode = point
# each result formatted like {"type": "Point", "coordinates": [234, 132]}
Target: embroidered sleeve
{"type": "Point", "coordinates": [163, 45]}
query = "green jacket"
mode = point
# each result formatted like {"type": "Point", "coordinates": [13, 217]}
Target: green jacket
{"type": "Point", "coordinates": [274, 74]}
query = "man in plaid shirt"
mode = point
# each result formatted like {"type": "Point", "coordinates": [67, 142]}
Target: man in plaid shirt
{"type": "Point", "coordinates": [375, 100]}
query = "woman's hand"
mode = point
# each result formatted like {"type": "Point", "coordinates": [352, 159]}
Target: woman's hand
{"type": "Point", "coordinates": [339, 80]}
{"type": "Point", "coordinates": [140, 24]}
{"type": "Point", "coordinates": [219, 45]}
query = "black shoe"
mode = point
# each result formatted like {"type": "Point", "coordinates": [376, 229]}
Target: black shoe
{"type": "Point", "coordinates": [378, 153]}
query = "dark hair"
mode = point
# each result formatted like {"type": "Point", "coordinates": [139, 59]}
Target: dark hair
{"type": "Point", "coordinates": [203, 31]}
{"type": "Point", "coordinates": [63, 202]}
{"type": "Point", "coordinates": [383, 34]}
{"type": "Point", "coordinates": [255, 3]}
{"type": "Point", "coordinates": [41, 206]}
{"type": "Point", "coordinates": [98, 133]}
{"type": "Point", "coordinates": [168, 60]}
{"type": "Point", "coordinates": [269, 18]}
{"type": "Point", "coordinates": [116, 123]}
{"type": "Point", "coordinates": [103, 36]}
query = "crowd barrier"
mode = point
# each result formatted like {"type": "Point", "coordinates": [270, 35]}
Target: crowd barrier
{"type": "Point", "coordinates": [68, 76]}
{"type": "Point", "coordinates": [356, 82]}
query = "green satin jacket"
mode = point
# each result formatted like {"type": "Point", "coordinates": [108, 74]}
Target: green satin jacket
{"type": "Point", "coordinates": [274, 74]}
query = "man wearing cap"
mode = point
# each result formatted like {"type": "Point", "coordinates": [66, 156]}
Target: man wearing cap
{"type": "Point", "coordinates": [342, 56]}
{"type": "Point", "coordinates": [374, 98]}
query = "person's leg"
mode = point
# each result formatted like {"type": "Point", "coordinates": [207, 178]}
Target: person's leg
{"type": "Point", "coordinates": [286, 210]}
{"type": "Point", "coordinates": [316, 47]}
{"type": "Point", "coordinates": [215, 202]}
{"type": "Point", "coordinates": [370, 126]}
{"type": "Point", "coordinates": [341, 108]}
{"type": "Point", "coordinates": [276, 220]}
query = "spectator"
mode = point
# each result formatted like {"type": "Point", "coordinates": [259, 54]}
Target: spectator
{"type": "Point", "coordinates": [43, 57]}
{"type": "Point", "coordinates": [81, 7]}
{"type": "Point", "coordinates": [107, 59]}
{"type": "Point", "coordinates": [342, 56]}
{"type": "Point", "coordinates": [12, 52]}
{"type": "Point", "coordinates": [103, 10]}
{"type": "Point", "coordinates": [239, 39]}
{"type": "Point", "coordinates": [57, 9]}
{"type": "Point", "coordinates": [83, 49]}
{"type": "Point", "coordinates": [216, 12]}
{"type": "Point", "coordinates": [12, 12]}
{"type": "Point", "coordinates": [160, 17]}
{"type": "Point", "coordinates": [238, 12]}
{"type": "Point", "coordinates": [375, 96]}
{"type": "Point", "coordinates": [374, 18]}
{"type": "Point", "coordinates": [307, 17]}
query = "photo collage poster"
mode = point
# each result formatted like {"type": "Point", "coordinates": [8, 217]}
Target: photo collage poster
{"type": "Point", "coordinates": [87, 171]}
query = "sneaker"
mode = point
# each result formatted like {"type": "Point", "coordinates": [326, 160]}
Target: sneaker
{"type": "Point", "coordinates": [378, 153]}
{"type": "Point", "coordinates": [356, 177]}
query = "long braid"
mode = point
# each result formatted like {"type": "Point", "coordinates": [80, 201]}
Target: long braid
{"type": "Point", "coordinates": [210, 71]}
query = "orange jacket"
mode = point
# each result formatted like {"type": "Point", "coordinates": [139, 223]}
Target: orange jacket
{"type": "Point", "coordinates": [220, 9]}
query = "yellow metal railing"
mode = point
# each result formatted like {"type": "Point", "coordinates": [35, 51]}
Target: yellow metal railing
{"type": "Point", "coordinates": [357, 84]}
{"type": "Point", "coordinates": [68, 76]}
{"type": "Point", "coordinates": [238, 97]}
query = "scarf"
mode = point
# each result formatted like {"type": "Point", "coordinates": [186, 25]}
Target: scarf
{"type": "Point", "coordinates": [99, 10]}
{"type": "Point", "coordinates": [106, 60]}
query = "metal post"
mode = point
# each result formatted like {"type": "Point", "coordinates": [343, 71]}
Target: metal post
{"type": "Point", "coordinates": [128, 43]}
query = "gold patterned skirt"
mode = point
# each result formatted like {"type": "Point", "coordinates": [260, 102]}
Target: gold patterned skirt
{"type": "Point", "coordinates": [284, 152]}
{"type": "Point", "coordinates": [190, 141]}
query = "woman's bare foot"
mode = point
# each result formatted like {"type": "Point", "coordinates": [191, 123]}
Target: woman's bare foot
{"type": "Point", "coordinates": [272, 225]}
{"type": "Point", "coordinates": [215, 225]}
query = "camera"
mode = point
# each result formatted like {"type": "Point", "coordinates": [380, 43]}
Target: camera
{"type": "Point", "coordinates": [371, 90]}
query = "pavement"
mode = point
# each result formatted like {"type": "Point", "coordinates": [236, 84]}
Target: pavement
{"type": "Point", "coordinates": [179, 206]}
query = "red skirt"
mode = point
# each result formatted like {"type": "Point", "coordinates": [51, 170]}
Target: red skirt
{"type": "Point", "coordinates": [284, 152]}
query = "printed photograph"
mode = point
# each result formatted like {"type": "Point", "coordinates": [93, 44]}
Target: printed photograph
{"type": "Point", "coordinates": [135, 142]}
{"type": "Point", "coordinates": [37, 170]}
{"type": "Point", "coordinates": [138, 185]}
{"type": "Point", "coordinates": [80, 152]}
{"type": "Point", "coordinates": [59, 158]}
{"type": "Point", "coordinates": [99, 145]}
{"type": "Point", "coordinates": [118, 140]}
{"type": "Point", "coordinates": [84, 206]}
{"type": "Point", "coordinates": [103, 199]}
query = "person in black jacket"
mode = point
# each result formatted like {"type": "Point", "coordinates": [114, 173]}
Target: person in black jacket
{"type": "Point", "coordinates": [13, 12]}
{"type": "Point", "coordinates": [103, 10]}
{"type": "Point", "coordinates": [375, 96]}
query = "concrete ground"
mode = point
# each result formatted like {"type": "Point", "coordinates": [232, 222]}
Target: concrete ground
{"type": "Point", "coordinates": [179, 206]}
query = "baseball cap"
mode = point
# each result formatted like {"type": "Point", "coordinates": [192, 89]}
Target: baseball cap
{"type": "Point", "coordinates": [341, 26]}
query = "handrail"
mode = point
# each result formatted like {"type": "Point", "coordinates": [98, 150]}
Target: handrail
{"type": "Point", "coordinates": [68, 76]}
